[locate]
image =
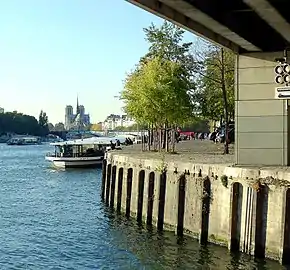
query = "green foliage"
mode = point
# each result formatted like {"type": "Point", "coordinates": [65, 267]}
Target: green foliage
{"type": "Point", "coordinates": [96, 127]}
{"type": "Point", "coordinates": [59, 127]}
{"type": "Point", "coordinates": [157, 93]}
{"type": "Point", "coordinates": [19, 123]}
{"type": "Point", "coordinates": [215, 72]}
{"type": "Point", "coordinates": [43, 123]}
{"type": "Point", "coordinates": [196, 124]}
{"type": "Point", "coordinates": [120, 128]}
{"type": "Point", "coordinates": [50, 127]}
{"type": "Point", "coordinates": [166, 42]}
{"type": "Point", "coordinates": [134, 127]}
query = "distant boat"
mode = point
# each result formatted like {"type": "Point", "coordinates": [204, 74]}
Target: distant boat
{"type": "Point", "coordinates": [81, 153]}
{"type": "Point", "coordinates": [24, 140]}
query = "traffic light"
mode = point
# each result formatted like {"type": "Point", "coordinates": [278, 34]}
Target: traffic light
{"type": "Point", "coordinates": [282, 71]}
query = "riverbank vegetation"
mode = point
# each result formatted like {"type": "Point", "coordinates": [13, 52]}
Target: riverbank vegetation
{"type": "Point", "coordinates": [22, 124]}
{"type": "Point", "coordinates": [179, 83]}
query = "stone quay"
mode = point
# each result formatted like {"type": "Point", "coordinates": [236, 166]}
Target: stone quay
{"type": "Point", "coordinates": [201, 193]}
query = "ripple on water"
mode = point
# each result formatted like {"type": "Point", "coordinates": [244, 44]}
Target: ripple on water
{"type": "Point", "coordinates": [54, 219]}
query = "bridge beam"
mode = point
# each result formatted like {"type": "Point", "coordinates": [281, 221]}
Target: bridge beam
{"type": "Point", "coordinates": [166, 12]}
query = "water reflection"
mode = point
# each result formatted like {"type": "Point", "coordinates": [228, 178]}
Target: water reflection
{"type": "Point", "coordinates": [164, 250]}
{"type": "Point", "coordinates": [55, 219]}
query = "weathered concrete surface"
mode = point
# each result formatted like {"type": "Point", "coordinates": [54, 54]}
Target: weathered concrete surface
{"type": "Point", "coordinates": [194, 151]}
{"type": "Point", "coordinates": [206, 196]}
{"type": "Point", "coordinates": [262, 121]}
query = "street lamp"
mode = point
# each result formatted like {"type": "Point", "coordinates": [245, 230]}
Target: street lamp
{"type": "Point", "coordinates": [282, 70]}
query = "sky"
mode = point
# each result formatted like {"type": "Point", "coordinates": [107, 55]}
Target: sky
{"type": "Point", "coordinates": [53, 50]}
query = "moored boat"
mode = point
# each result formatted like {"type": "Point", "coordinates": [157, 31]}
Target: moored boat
{"type": "Point", "coordinates": [24, 140]}
{"type": "Point", "coordinates": [80, 153]}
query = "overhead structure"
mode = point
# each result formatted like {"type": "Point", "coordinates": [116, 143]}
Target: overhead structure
{"type": "Point", "coordinates": [241, 25]}
{"type": "Point", "coordinates": [258, 31]}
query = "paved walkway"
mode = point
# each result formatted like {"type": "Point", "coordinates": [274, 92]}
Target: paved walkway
{"type": "Point", "coordinates": [194, 151]}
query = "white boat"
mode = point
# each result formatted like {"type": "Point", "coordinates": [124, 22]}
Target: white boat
{"type": "Point", "coordinates": [81, 153]}
{"type": "Point", "coordinates": [24, 140]}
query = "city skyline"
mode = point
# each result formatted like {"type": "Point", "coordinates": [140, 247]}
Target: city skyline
{"type": "Point", "coordinates": [51, 50]}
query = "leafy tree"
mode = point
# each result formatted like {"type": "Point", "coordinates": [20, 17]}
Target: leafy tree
{"type": "Point", "coordinates": [214, 96]}
{"type": "Point", "coordinates": [50, 127]}
{"type": "Point", "coordinates": [13, 122]}
{"type": "Point", "coordinates": [166, 42]}
{"type": "Point", "coordinates": [120, 128]}
{"type": "Point", "coordinates": [137, 127]}
{"type": "Point", "coordinates": [43, 123]}
{"type": "Point", "coordinates": [96, 127]}
{"type": "Point", "coordinates": [157, 94]}
{"type": "Point", "coordinates": [59, 127]}
{"type": "Point", "coordinates": [196, 124]}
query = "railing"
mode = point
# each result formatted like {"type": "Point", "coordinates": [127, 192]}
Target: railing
{"type": "Point", "coordinates": [73, 155]}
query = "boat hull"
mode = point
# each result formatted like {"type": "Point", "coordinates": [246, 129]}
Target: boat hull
{"type": "Point", "coordinates": [85, 162]}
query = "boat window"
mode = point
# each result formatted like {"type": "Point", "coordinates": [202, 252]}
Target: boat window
{"type": "Point", "coordinates": [68, 151]}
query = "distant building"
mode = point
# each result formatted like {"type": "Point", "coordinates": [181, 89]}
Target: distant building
{"type": "Point", "coordinates": [1, 110]}
{"type": "Point", "coordinates": [78, 121]}
{"type": "Point", "coordinates": [114, 120]}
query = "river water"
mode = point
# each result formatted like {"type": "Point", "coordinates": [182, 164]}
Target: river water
{"type": "Point", "coordinates": [55, 219]}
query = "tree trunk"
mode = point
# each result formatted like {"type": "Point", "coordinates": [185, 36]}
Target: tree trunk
{"type": "Point", "coordinates": [173, 139]}
{"type": "Point", "coordinates": [152, 135]}
{"type": "Point", "coordinates": [149, 139]}
{"type": "Point", "coordinates": [167, 139]}
{"type": "Point", "coordinates": [164, 137]}
{"type": "Point", "coordinates": [226, 112]}
{"type": "Point", "coordinates": [160, 139]}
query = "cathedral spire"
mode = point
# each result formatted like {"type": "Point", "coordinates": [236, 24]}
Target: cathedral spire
{"type": "Point", "coordinates": [78, 108]}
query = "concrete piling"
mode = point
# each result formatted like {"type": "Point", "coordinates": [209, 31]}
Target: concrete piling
{"type": "Point", "coordinates": [213, 203]}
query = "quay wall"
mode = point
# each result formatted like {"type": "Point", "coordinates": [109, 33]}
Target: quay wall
{"type": "Point", "coordinates": [244, 209]}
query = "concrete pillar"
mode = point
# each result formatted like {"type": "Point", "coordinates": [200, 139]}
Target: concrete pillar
{"type": "Point", "coordinates": [261, 120]}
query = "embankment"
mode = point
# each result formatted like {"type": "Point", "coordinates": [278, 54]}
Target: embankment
{"type": "Point", "coordinates": [246, 209]}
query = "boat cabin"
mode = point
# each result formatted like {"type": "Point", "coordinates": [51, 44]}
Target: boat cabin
{"type": "Point", "coordinates": [79, 150]}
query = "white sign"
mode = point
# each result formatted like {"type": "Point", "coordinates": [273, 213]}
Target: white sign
{"type": "Point", "coordinates": [282, 92]}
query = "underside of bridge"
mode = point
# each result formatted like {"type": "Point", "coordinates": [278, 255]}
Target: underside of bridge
{"type": "Point", "coordinates": [241, 25]}
{"type": "Point", "coordinates": [258, 31]}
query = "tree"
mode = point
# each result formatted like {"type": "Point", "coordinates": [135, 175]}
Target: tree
{"type": "Point", "coordinates": [96, 127]}
{"type": "Point", "coordinates": [156, 94]}
{"type": "Point", "coordinates": [59, 127]}
{"type": "Point", "coordinates": [166, 42]}
{"type": "Point", "coordinates": [137, 127]}
{"type": "Point", "coordinates": [120, 128]}
{"type": "Point", "coordinates": [196, 124]}
{"type": "Point", "coordinates": [13, 122]}
{"type": "Point", "coordinates": [50, 127]}
{"type": "Point", "coordinates": [214, 96]}
{"type": "Point", "coordinates": [43, 123]}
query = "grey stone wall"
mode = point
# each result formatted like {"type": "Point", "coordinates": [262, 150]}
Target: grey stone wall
{"type": "Point", "coordinates": [261, 120]}
{"type": "Point", "coordinates": [240, 208]}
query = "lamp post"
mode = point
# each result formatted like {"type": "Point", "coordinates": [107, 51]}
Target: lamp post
{"type": "Point", "coordinates": [282, 69]}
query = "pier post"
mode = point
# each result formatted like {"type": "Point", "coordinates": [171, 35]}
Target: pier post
{"type": "Point", "coordinates": [161, 206]}
{"type": "Point", "coordinates": [104, 173]}
{"type": "Point", "coordinates": [108, 183]}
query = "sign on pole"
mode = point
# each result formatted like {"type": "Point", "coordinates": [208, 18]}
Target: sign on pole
{"type": "Point", "coordinates": [282, 92]}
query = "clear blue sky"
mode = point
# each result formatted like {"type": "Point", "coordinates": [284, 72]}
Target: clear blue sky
{"type": "Point", "coordinates": [50, 50]}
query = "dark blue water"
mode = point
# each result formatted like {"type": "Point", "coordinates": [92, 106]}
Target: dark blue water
{"type": "Point", "coordinates": [54, 219]}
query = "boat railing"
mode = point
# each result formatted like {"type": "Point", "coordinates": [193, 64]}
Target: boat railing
{"type": "Point", "coordinates": [75, 155]}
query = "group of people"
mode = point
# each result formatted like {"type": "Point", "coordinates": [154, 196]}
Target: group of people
{"type": "Point", "coordinates": [117, 144]}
